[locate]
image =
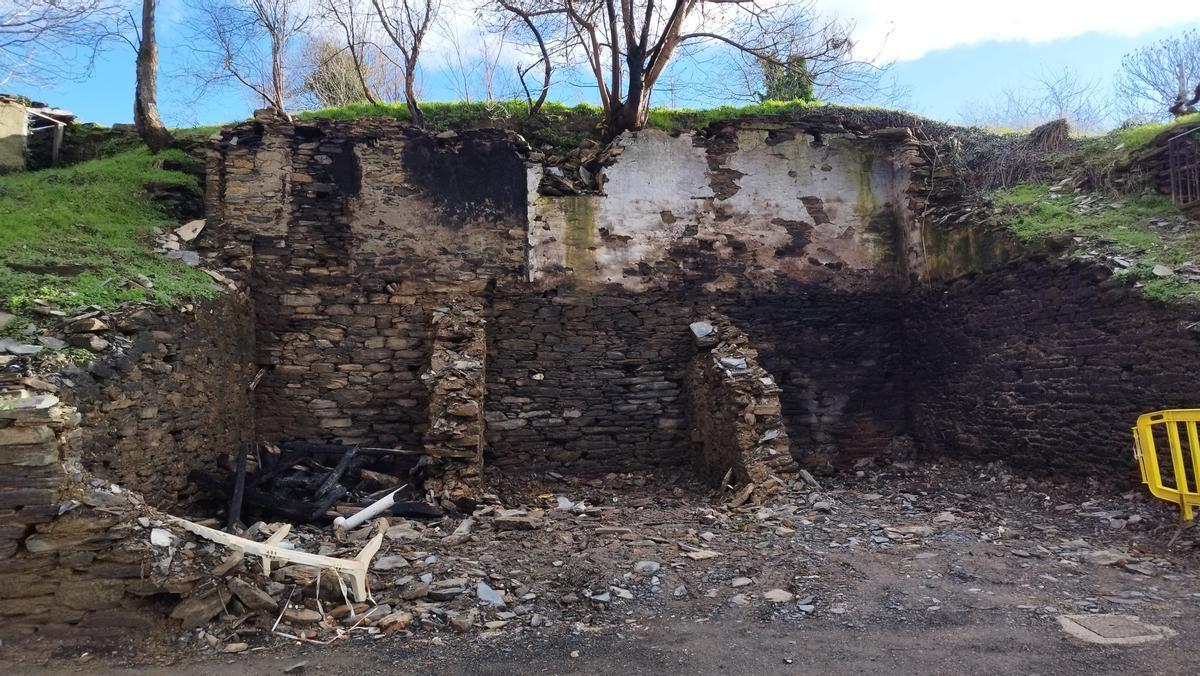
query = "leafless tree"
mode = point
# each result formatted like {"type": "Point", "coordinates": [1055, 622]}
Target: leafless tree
{"type": "Point", "coordinates": [540, 31]}
{"type": "Point", "coordinates": [351, 20]}
{"type": "Point", "coordinates": [1051, 95]}
{"type": "Point", "coordinates": [248, 42]}
{"type": "Point", "coordinates": [1153, 77]}
{"type": "Point", "coordinates": [44, 40]}
{"type": "Point", "coordinates": [628, 44]}
{"type": "Point", "coordinates": [406, 23]}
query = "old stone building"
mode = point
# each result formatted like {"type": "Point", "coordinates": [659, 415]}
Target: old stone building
{"type": "Point", "coordinates": [745, 301]}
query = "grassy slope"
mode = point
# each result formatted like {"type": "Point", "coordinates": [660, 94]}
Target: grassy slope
{"type": "Point", "coordinates": [1130, 226]}
{"type": "Point", "coordinates": [93, 218]}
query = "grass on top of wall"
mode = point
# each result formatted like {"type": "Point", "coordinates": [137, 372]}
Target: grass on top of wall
{"type": "Point", "coordinates": [80, 235]}
{"type": "Point", "coordinates": [557, 127]}
{"type": "Point", "coordinates": [1144, 228]}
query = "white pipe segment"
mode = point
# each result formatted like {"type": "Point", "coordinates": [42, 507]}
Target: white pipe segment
{"type": "Point", "coordinates": [371, 510]}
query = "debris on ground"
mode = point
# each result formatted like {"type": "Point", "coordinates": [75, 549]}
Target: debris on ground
{"type": "Point", "coordinates": [898, 542]}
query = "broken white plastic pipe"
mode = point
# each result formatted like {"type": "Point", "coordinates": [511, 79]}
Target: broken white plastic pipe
{"type": "Point", "coordinates": [371, 510]}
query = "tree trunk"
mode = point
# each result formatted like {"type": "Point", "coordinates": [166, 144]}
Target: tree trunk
{"type": "Point", "coordinates": [410, 97]}
{"type": "Point", "coordinates": [145, 101]}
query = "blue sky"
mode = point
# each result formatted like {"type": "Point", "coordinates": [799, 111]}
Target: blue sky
{"type": "Point", "coordinates": [941, 76]}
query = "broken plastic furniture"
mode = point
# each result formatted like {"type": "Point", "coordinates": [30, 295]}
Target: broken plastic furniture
{"type": "Point", "coordinates": [353, 570]}
{"type": "Point", "coordinates": [1181, 483]}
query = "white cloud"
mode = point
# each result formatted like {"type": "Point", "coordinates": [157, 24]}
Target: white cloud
{"type": "Point", "coordinates": [909, 30]}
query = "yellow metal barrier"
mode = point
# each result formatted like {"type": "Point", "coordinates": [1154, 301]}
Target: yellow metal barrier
{"type": "Point", "coordinates": [1183, 485]}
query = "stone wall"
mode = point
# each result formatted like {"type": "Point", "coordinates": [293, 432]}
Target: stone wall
{"type": "Point", "coordinates": [170, 397]}
{"type": "Point", "coordinates": [67, 570]}
{"type": "Point", "coordinates": [839, 359]}
{"type": "Point", "coordinates": [1046, 364]}
{"type": "Point", "coordinates": [751, 204]}
{"type": "Point", "coordinates": [736, 418]}
{"type": "Point", "coordinates": [455, 379]}
{"type": "Point", "coordinates": [589, 383]}
{"type": "Point", "coordinates": [349, 234]}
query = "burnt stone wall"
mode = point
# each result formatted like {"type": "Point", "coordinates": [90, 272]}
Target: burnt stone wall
{"type": "Point", "coordinates": [839, 360]}
{"type": "Point", "coordinates": [592, 382]}
{"type": "Point", "coordinates": [1045, 364]}
{"type": "Point", "coordinates": [172, 398]}
{"type": "Point", "coordinates": [349, 234]}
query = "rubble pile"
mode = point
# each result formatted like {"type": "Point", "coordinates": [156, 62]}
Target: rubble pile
{"type": "Point", "coordinates": [594, 555]}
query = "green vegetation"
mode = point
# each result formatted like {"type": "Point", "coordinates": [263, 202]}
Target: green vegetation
{"type": "Point", "coordinates": [1137, 137]}
{"type": "Point", "coordinates": [786, 82]}
{"type": "Point", "coordinates": [673, 119]}
{"type": "Point", "coordinates": [557, 125]}
{"type": "Point", "coordinates": [1129, 226]}
{"type": "Point", "coordinates": [79, 235]}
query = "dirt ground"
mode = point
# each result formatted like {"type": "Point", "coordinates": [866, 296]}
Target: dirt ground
{"type": "Point", "coordinates": [900, 567]}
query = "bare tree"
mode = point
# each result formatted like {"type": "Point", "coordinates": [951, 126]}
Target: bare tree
{"type": "Point", "coordinates": [1154, 77]}
{"type": "Point", "coordinates": [533, 24]}
{"type": "Point", "coordinates": [628, 44]}
{"type": "Point", "coordinates": [407, 23]}
{"type": "Point", "coordinates": [1052, 95]}
{"type": "Point", "coordinates": [351, 20]}
{"type": "Point", "coordinates": [248, 42]}
{"type": "Point", "coordinates": [43, 40]}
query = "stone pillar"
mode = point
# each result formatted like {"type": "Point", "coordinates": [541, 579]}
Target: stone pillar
{"type": "Point", "coordinates": [737, 424]}
{"type": "Point", "coordinates": [455, 379]}
{"type": "Point", "coordinates": [31, 469]}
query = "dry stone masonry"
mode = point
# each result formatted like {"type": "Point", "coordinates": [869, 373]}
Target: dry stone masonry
{"type": "Point", "coordinates": [454, 440]}
{"type": "Point", "coordinates": [349, 234]}
{"type": "Point", "coordinates": [737, 420]}
{"type": "Point", "coordinates": [447, 295]}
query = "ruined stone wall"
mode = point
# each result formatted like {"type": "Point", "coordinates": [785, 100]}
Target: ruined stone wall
{"type": "Point", "coordinates": [169, 398]}
{"type": "Point", "coordinates": [1045, 364]}
{"type": "Point", "coordinates": [748, 205]}
{"type": "Point", "coordinates": [588, 382]}
{"type": "Point", "coordinates": [736, 418]}
{"type": "Point", "coordinates": [455, 379]}
{"type": "Point", "coordinates": [66, 568]}
{"type": "Point", "coordinates": [349, 234]}
{"type": "Point", "coordinates": [839, 359]}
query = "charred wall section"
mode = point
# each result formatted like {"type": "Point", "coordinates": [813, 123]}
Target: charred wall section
{"type": "Point", "coordinates": [839, 359]}
{"type": "Point", "coordinates": [1045, 364]}
{"type": "Point", "coordinates": [351, 234]}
